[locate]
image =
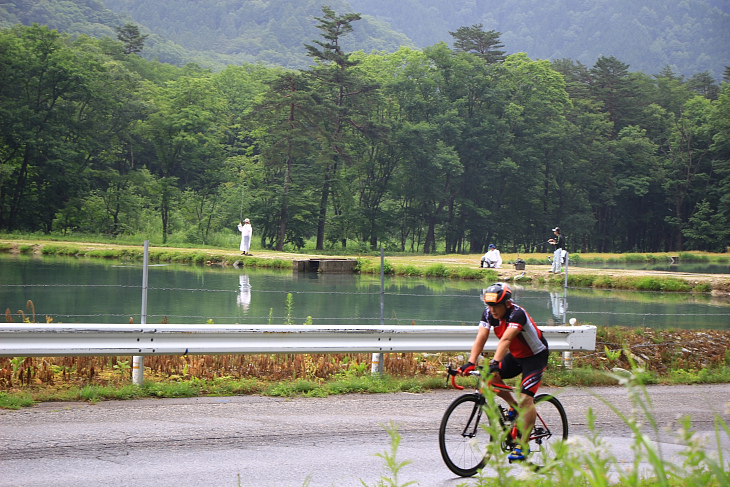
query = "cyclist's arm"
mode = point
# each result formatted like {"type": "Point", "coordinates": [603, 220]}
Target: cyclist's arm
{"type": "Point", "coordinates": [479, 342]}
{"type": "Point", "coordinates": [503, 346]}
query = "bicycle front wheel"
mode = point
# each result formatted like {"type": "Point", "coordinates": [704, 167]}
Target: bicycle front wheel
{"type": "Point", "coordinates": [551, 426]}
{"type": "Point", "coordinates": [461, 438]}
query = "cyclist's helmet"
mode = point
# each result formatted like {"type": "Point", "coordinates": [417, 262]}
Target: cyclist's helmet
{"type": "Point", "coordinates": [497, 293]}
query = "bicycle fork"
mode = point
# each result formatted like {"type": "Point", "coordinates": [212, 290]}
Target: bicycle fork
{"type": "Point", "coordinates": [470, 430]}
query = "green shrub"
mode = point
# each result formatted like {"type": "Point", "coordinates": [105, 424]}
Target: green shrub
{"type": "Point", "coordinates": [25, 249]}
{"type": "Point", "coordinates": [409, 270]}
{"type": "Point", "coordinates": [436, 270]}
{"type": "Point", "coordinates": [645, 283]}
{"type": "Point", "coordinates": [702, 287]}
{"type": "Point", "coordinates": [281, 264]}
{"type": "Point", "coordinates": [59, 250]}
{"type": "Point", "coordinates": [366, 266]}
{"type": "Point", "coordinates": [603, 282]}
{"type": "Point", "coordinates": [586, 280]}
{"type": "Point", "coordinates": [634, 258]}
{"type": "Point", "coordinates": [670, 284]}
{"type": "Point", "coordinates": [689, 257]}
{"type": "Point", "coordinates": [104, 253]}
{"type": "Point", "coordinates": [16, 400]}
{"type": "Point", "coordinates": [297, 388]}
{"type": "Point", "coordinates": [469, 273]}
{"type": "Point", "coordinates": [190, 388]}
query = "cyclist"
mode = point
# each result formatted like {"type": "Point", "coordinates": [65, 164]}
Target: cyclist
{"type": "Point", "coordinates": [522, 349]}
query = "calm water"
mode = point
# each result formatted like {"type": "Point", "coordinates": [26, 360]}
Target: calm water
{"type": "Point", "coordinates": [94, 291]}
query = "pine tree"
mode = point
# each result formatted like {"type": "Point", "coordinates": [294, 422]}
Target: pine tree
{"type": "Point", "coordinates": [476, 40]}
{"type": "Point", "coordinates": [131, 38]}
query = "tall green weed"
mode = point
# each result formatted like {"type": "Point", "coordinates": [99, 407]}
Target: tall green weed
{"type": "Point", "coordinates": [588, 461]}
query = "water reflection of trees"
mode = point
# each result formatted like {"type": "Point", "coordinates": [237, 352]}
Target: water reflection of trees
{"type": "Point", "coordinates": [651, 296]}
{"type": "Point", "coordinates": [441, 285]}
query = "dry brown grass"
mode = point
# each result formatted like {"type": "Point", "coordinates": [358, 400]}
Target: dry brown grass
{"type": "Point", "coordinates": [51, 371]}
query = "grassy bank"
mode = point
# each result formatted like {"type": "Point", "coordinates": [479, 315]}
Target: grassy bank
{"type": "Point", "coordinates": [663, 357]}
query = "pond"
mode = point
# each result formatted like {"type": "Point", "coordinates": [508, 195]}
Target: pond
{"type": "Point", "coordinates": [74, 290]}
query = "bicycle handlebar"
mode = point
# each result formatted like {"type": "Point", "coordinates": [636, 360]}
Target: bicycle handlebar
{"type": "Point", "coordinates": [452, 373]}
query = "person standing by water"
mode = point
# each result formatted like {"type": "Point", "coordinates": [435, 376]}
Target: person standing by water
{"type": "Point", "coordinates": [559, 243]}
{"type": "Point", "coordinates": [246, 231]}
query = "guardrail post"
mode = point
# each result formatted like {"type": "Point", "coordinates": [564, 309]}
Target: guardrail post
{"type": "Point", "coordinates": [138, 360]}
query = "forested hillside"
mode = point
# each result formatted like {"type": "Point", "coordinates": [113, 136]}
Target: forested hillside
{"type": "Point", "coordinates": [92, 18]}
{"type": "Point", "coordinates": [689, 36]}
{"type": "Point", "coordinates": [439, 149]}
{"type": "Point", "coordinates": [211, 34]}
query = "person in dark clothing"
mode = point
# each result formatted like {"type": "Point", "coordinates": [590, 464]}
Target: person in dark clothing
{"type": "Point", "coordinates": [559, 243]}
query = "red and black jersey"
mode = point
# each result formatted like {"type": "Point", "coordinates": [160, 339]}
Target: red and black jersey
{"type": "Point", "coordinates": [528, 342]}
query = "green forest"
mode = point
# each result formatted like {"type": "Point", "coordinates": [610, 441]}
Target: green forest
{"type": "Point", "coordinates": [440, 149]}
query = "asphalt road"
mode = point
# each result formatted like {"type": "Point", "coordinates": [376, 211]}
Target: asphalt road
{"type": "Point", "coordinates": [263, 441]}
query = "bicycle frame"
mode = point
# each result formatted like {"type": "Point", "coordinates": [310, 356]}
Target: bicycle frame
{"type": "Point", "coordinates": [537, 434]}
{"type": "Point", "coordinates": [460, 427]}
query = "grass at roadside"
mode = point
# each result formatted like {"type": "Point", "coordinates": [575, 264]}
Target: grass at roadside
{"type": "Point", "coordinates": [365, 384]}
{"type": "Point", "coordinates": [581, 376]}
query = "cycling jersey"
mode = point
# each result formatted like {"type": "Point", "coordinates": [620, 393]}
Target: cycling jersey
{"type": "Point", "coordinates": [528, 342]}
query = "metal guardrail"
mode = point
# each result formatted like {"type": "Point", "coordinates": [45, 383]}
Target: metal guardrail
{"type": "Point", "coordinates": [67, 340]}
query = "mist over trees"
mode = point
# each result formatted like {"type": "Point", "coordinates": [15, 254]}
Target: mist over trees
{"type": "Point", "coordinates": [689, 36]}
{"type": "Point", "coordinates": [439, 149]}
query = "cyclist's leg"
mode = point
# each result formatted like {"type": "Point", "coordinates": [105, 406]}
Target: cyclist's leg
{"type": "Point", "coordinates": [508, 368]}
{"type": "Point", "coordinates": [533, 369]}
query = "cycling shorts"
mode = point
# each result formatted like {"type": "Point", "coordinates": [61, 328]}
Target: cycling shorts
{"type": "Point", "coordinates": [531, 369]}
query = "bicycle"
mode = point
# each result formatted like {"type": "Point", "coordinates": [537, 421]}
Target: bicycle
{"type": "Point", "coordinates": [462, 438]}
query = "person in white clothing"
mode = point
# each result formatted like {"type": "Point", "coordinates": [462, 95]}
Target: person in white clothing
{"type": "Point", "coordinates": [245, 228]}
{"type": "Point", "coordinates": [492, 258]}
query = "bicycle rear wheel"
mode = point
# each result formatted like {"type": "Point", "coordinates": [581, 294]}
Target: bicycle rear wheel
{"type": "Point", "coordinates": [461, 438]}
{"type": "Point", "coordinates": [551, 426]}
